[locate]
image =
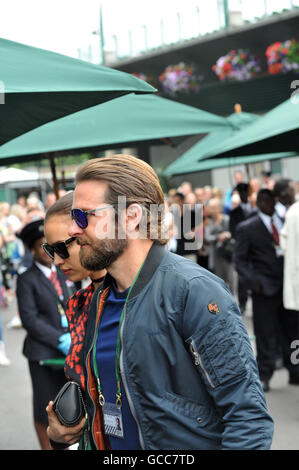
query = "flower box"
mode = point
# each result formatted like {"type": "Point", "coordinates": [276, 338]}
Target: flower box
{"type": "Point", "coordinates": [283, 57]}
{"type": "Point", "coordinates": [180, 78]}
{"type": "Point", "coordinates": [237, 65]}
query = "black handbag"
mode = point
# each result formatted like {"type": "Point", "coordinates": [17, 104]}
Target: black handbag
{"type": "Point", "coordinates": [226, 249]}
{"type": "Point", "coordinates": [69, 405]}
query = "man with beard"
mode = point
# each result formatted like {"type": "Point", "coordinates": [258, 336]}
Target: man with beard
{"type": "Point", "coordinates": [166, 352]}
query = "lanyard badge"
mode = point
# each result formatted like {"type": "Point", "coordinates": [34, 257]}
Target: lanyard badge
{"type": "Point", "coordinates": [112, 411]}
{"type": "Point", "coordinates": [113, 420]}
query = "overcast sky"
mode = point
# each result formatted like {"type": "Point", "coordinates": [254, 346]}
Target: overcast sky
{"type": "Point", "coordinates": [66, 25]}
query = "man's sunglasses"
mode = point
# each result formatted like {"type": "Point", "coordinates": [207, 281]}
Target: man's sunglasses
{"type": "Point", "coordinates": [80, 216]}
{"type": "Point", "coordinates": [60, 248]}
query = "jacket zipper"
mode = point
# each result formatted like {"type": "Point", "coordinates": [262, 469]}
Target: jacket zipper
{"type": "Point", "coordinates": [198, 362]}
{"type": "Point", "coordinates": [131, 406]}
{"type": "Point", "coordinates": [87, 387]}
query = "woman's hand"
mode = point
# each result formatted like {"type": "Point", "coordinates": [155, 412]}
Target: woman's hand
{"type": "Point", "coordinates": [58, 432]}
{"type": "Point", "coordinates": [224, 236]}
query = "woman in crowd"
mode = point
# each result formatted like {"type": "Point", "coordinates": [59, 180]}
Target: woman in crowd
{"type": "Point", "coordinates": [42, 294]}
{"type": "Point", "coordinates": [65, 254]}
{"type": "Point", "coordinates": [217, 236]}
{"type": "Point", "coordinates": [57, 223]}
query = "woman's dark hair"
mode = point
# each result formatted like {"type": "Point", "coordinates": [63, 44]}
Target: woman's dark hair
{"type": "Point", "coordinates": [62, 206]}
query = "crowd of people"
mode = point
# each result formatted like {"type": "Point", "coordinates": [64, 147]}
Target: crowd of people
{"type": "Point", "coordinates": [248, 238]}
{"type": "Point", "coordinates": [14, 255]}
{"type": "Point", "coordinates": [245, 237]}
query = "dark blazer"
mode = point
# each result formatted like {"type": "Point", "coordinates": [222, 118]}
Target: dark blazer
{"type": "Point", "coordinates": [255, 257]}
{"type": "Point", "coordinates": [236, 216]}
{"type": "Point", "coordinates": [37, 303]}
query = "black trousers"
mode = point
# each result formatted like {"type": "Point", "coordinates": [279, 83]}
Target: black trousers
{"type": "Point", "coordinates": [46, 383]}
{"type": "Point", "coordinates": [242, 292]}
{"type": "Point", "coordinates": [275, 329]}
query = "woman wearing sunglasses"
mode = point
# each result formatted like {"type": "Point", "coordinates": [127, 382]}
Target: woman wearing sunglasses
{"type": "Point", "coordinates": [64, 251]}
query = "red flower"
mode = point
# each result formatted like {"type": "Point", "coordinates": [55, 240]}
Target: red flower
{"type": "Point", "coordinates": [275, 68]}
{"type": "Point", "coordinates": [276, 46]}
{"type": "Point", "coordinates": [227, 67]}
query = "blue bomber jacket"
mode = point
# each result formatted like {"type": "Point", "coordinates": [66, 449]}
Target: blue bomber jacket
{"type": "Point", "coordinates": [187, 364]}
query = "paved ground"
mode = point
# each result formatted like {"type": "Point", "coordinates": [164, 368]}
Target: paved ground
{"type": "Point", "coordinates": [16, 409]}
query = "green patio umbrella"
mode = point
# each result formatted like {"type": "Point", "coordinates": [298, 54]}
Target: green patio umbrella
{"type": "Point", "coordinates": [38, 86]}
{"type": "Point", "coordinates": [214, 163]}
{"type": "Point", "coordinates": [275, 131]}
{"type": "Point", "coordinates": [189, 160]}
{"type": "Point", "coordinates": [127, 121]}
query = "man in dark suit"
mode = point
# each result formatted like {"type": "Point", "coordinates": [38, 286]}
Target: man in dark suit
{"type": "Point", "coordinates": [42, 294]}
{"type": "Point", "coordinates": [258, 260]}
{"type": "Point", "coordinates": [237, 215]}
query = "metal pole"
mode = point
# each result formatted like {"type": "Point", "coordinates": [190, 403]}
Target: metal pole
{"type": "Point", "coordinates": [226, 14]}
{"type": "Point", "coordinates": [102, 38]}
{"type": "Point", "coordinates": [115, 45]}
{"type": "Point", "coordinates": [145, 37]}
{"type": "Point", "coordinates": [265, 7]}
{"type": "Point", "coordinates": [179, 25]}
{"type": "Point", "coordinates": [198, 19]}
{"type": "Point", "coordinates": [247, 171]}
{"type": "Point", "coordinates": [54, 176]}
{"type": "Point", "coordinates": [130, 42]}
{"type": "Point", "coordinates": [162, 32]}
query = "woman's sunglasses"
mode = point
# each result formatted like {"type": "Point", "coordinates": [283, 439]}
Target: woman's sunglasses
{"type": "Point", "coordinates": [60, 248]}
{"type": "Point", "coordinates": [80, 216]}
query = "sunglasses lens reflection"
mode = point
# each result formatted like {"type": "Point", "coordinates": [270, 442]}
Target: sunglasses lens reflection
{"type": "Point", "coordinates": [49, 250]}
{"type": "Point", "coordinates": [79, 217]}
{"type": "Point", "coordinates": [59, 248]}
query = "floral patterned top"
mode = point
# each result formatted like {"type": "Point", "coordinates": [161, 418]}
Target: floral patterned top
{"type": "Point", "coordinates": [77, 314]}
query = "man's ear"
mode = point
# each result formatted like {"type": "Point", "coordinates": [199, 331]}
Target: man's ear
{"type": "Point", "coordinates": [134, 215]}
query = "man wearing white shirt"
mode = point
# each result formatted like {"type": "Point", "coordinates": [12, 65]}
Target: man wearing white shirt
{"type": "Point", "coordinates": [289, 240]}
{"type": "Point", "coordinates": [284, 192]}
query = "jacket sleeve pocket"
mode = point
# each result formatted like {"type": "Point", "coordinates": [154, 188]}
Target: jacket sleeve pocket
{"type": "Point", "coordinates": [216, 354]}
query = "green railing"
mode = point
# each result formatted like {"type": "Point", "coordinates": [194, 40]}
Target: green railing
{"type": "Point", "coordinates": [191, 20]}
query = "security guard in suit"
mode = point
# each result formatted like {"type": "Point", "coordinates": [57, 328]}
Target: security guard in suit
{"type": "Point", "coordinates": [42, 294]}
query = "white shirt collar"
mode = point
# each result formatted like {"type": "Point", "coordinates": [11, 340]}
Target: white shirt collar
{"type": "Point", "coordinates": [267, 221]}
{"type": "Point", "coordinates": [280, 209]}
{"type": "Point", "coordinates": [44, 269]}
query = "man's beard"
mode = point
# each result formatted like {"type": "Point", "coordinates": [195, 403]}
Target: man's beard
{"type": "Point", "coordinates": [102, 253]}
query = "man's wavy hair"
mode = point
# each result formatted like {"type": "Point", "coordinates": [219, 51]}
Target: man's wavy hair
{"type": "Point", "coordinates": [132, 178]}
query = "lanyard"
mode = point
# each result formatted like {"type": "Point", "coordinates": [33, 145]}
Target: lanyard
{"type": "Point", "coordinates": [117, 353]}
